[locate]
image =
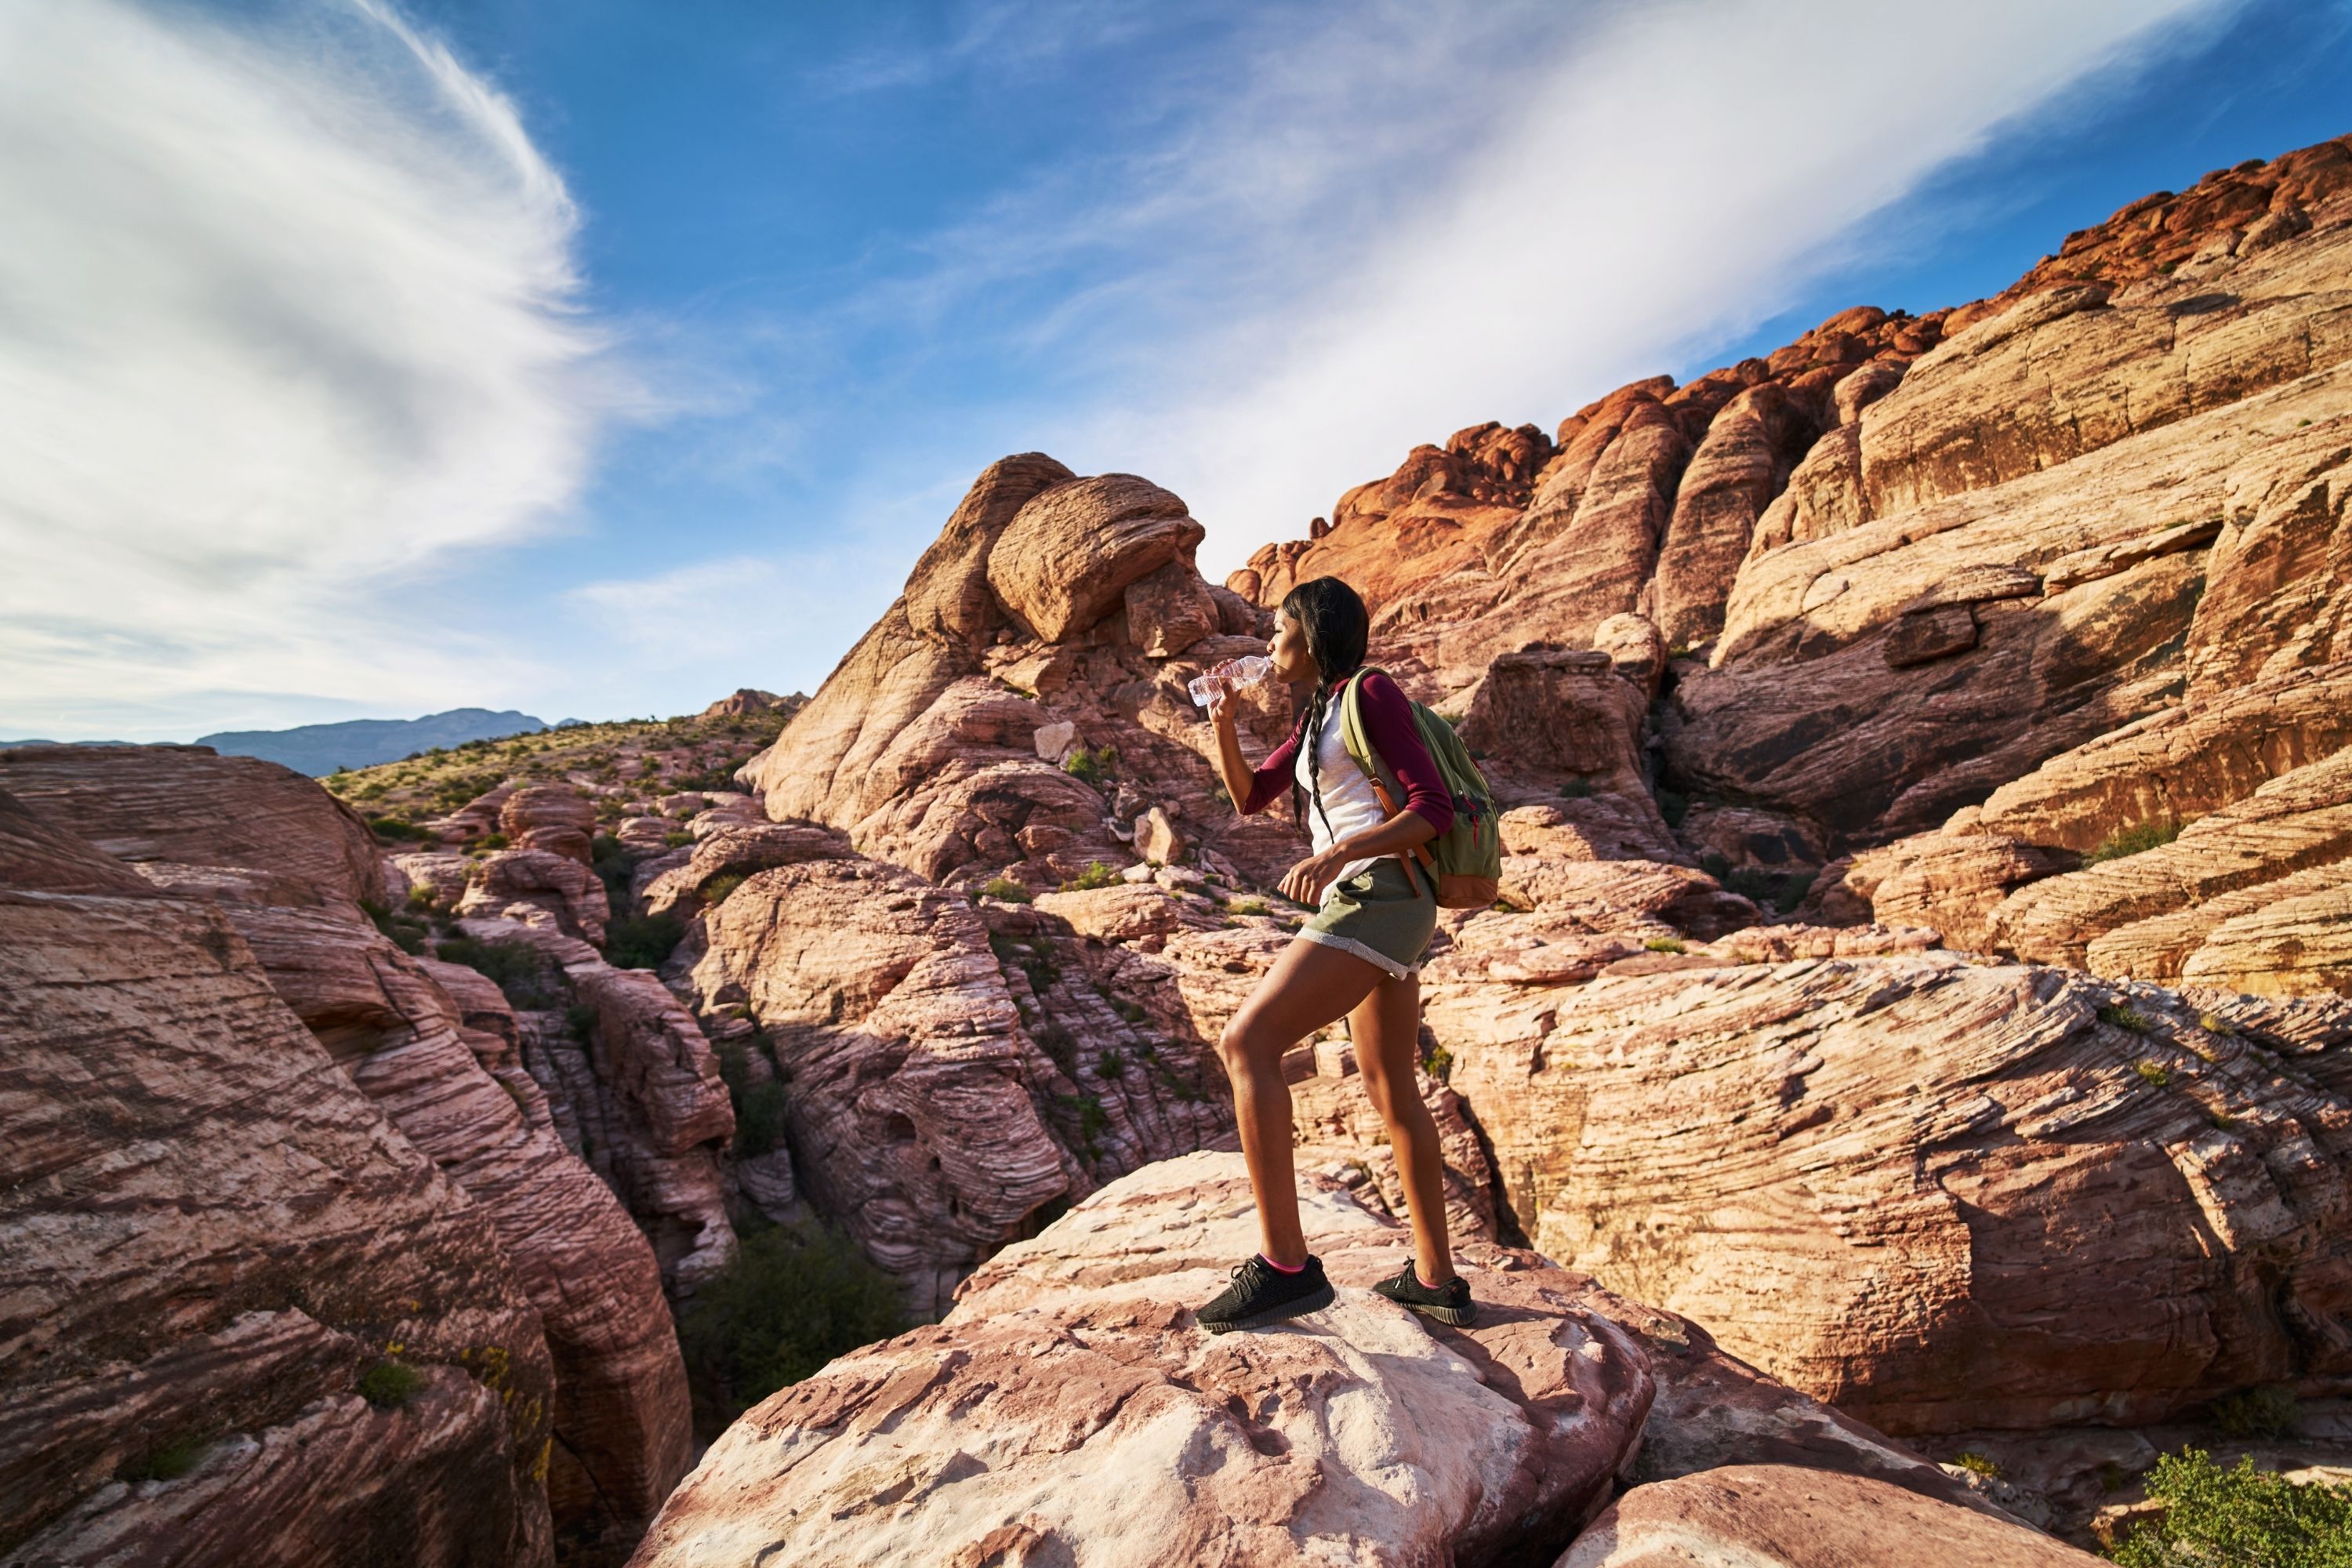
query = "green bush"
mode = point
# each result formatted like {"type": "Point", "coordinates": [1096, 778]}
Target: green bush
{"type": "Point", "coordinates": [2132, 840]}
{"type": "Point", "coordinates": [1095, 875]}
{"type": "Point", "coordinates": [405, 927]}
{"type": "Point", "coordinates": [492, 841]}
{"type": "Point", "coordinates": [1663, 945]}
{"type": "Point", "coordinates": [397, 829]}
{"type": "Point", "coordinates": [1094, 767]}
{"type": "Point", "coordinates": [516, 967]}
{"type": "Point", "coordinates": [642, 942]}
{"type": "Point", "coordinates": [794, 1298]}
{"type": "Point", "coordinates": [2238, 1517]}
{"type": "Point", "coordinates": [1976, 1464]}
{"type": "Point", "coordinates": [715, 891]}
{"type": "Point", "coordinates": [2123, 1017]}
{"type": "Point", "coordinates": [2152, 1072]}
{"type": "Point", "coordinates": [389, 1385]}
{"type": "Point", "coordinates": [677, 838]}
{"type": "Point", "coordinates": [1247, 906]}
{"type": "Point", "coordinates": [2262, 1413]}
{"type": "Point", "coordinates": [1438, 1063]}
{"type": "Point", "coordinates": [168, 1463]}
{"type": "Point", "coordinates": [1006, 888]}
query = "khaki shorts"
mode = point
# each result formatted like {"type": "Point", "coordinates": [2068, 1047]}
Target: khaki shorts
{"type": "Point", "coordinates": [1378, 915]}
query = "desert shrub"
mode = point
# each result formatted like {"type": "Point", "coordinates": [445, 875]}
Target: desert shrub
{"type": "Point", "coordinates": [1087, 1111]}
{"type": "Point", "coordinates": [2132, 840]}
{"type": "Point", "coordinates": [397, 829]}
{"type": "Point", "coordinates": [794, 1298]}
{"type": "Point", "coordinates": [1095, 875]}
{"type": "Point", "coordinates": [2214, 1024]}
{"type": "Point", "coordinates": [1034, 958]}
{"type": "Point", "coordinates": [715, 891]}
{"type": "Point", "coordinates": [1247, 906]}
{"type": "Point", "coordinates": [1109, 1063]}
{"type": "Point", "coordinates": [406, 928]}
{"type": "Point", "coordinates": [1438, 1063]}
{"type": "Point", "coordinates": [2264, 1413]}
{"type": "Point", "coordinates": [1663, 945]}
{"type": "Point", "coordinates": [1793, 889]}
{"type": "Point", "coordinates": [580, 1021]}
{"type": "Point", "coordinates": [420, 896]}
{"type": "Point", "coordinates": [1094, 767]}
{"type": "Point", "coordinates": [1976, 1464]}
{"type": "Point", "coordinates": [168, 1463]}
{"type": "Point", "coordinates": [677, 838]}
{"type": "Point", "coordinates": [515, 967]}
{"type": "Point", "coordinates": [2152, 1072]}
{"type": "Point", "coordinates": [1006, 888]}
{"type": "Point", "coordinates": [389, 1385]}
{"type": "Point", "coordinates": [1056, 1042]}
{"type": "Point", "coordinates": [759, 1105]}
{"type": "Point", "coordinates": [1133, 1012]}
{"type": "Point", "coordinates": [2238, 1517]}
{"type": "Point", "coordinates": [2126, 1018]}
{"type": "Point", "coordinates": [1576, 789]}
{"type": "Point", "coordinates": [642, 942]}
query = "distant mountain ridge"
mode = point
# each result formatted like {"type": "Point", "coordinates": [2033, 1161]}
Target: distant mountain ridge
{"type": "Point", "coordinates": [320, 748]}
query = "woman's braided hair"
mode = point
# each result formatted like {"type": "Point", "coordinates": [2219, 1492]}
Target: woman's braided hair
{"type": "Point", "coordinates": [1336, 624]}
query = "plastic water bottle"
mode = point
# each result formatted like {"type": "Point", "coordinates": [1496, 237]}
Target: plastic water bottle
{"type": "Point", "coordinates": [1236, 673]}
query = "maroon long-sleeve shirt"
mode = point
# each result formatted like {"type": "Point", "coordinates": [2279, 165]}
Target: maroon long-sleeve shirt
{"type": "Point", "coordinates": [1388, 726]}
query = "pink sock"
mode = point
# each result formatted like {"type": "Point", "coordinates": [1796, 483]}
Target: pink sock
{"type": "Point", "coordinates": [1279, 1268]}
{"type": "Point", "coordinates": [1423, 1283]}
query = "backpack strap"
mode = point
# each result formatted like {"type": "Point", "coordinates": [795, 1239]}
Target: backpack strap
{"type": "Point", "coordinates": [1375, 767]}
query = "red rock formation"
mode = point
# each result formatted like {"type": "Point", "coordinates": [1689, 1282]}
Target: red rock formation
{"type": "Point", "coordinates": [554, 818]}
{"type": "Point", "coordinates": [1937, 1195]}
{"type": "Point", "coordinates": [216, 1296]}
{"type": "Point", "coordinates": [1072, 1382]}
{"type": "Point", "coordinates": [447, 1076]}
{"type": "Point", "coordinates": [1780, 1514]}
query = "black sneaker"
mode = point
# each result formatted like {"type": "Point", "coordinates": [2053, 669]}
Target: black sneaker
{"type": "Point", "coordinates": [1449, 1303]}
{"type": "Point", "coordinates": [1261, 1294]}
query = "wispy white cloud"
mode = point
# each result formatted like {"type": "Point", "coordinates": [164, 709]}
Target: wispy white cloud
{"type": "Point", "coordinates": [1351, 230]}
{"type": "Point", "coordinates": [287, 314]}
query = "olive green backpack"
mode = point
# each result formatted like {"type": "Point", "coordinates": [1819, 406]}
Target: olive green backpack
{"type": "Point", "coordinates": [1464, 863]}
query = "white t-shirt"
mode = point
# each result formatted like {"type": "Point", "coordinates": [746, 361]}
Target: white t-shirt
{"type": "Point", "coordinates": [1349, 803]}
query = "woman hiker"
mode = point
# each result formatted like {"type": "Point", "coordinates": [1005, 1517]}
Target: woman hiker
{"type": "Point", "coordinates": [1358, 958]}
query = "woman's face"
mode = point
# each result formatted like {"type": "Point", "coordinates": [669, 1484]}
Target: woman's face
{"type": "Point", "coordinates": [1292, 662]}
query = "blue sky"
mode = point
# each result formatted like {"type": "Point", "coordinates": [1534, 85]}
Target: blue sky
{"type": "Point", "coordinates": [597, 358]}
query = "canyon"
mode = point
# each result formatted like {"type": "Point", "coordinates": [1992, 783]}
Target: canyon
{"type": "Point", "coordinates": [1917, 1023]}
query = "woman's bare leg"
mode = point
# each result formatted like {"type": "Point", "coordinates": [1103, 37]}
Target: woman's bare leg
{"type": "Point", "coordinates": [1310, 985]}
{"type": "Point", "coordinates": [1386, 1029]}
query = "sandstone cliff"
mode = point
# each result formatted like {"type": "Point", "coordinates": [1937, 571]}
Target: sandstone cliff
{"type": "Point", "coordinates": [434, 1048]}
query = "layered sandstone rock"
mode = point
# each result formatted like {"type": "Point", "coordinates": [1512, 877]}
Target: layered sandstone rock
{"type": "Point", "coordinates": [1777, 1515]}
{"type": "Point", "coordinates": [203, 1314]}
{"type": "Point", "coordinates": [554, 818]}
{"type": "Point", "coordinates": [633, 1089]}
{"type": "Point", "coordinates": [511, 883]}
{"type": "Point", "coordinates": [1024, 703]}
{"type": "Point", "coordinates": [1041, 1417]}
{"type": "Point", "coordinates": [1069, 1409]}
{"type": "Point", "coordinates": [1937, 1195]}
{"type": "Point", "coordinates": [435, 1045]}
{"type": "Point", "coordinates": [263, 832]}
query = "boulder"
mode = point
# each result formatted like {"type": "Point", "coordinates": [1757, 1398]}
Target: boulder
{"type": "Point", "coordinates": [554, 818]}
{"type": "Point", "coordinates": [1778, 1516]}
{"type": "Point", "coordinates": [1936, 1194]}
{"type": "Point", "coordinates": [947, 595]}
{"type": "Point", "coordinates": [1068, 1407]}
{"type": "Point", "coordinates": [571, 895]}
{"type": "Point", "coordinates": [1069, 554]}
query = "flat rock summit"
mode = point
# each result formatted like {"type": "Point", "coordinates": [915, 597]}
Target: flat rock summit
{"type": "Point", "coordinates": [1904, 1087]}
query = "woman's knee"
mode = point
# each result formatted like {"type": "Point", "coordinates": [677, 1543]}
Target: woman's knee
{"type": "Point", "coordinates": [1235, 1045]}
